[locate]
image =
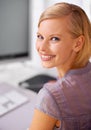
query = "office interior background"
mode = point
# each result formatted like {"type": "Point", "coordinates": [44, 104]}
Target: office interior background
{"type": "Point", "coordinates": [23, 37]}
{"type": "Point", "coordinates": [19, 60]}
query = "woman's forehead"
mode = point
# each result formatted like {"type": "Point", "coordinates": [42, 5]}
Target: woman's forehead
{"type": "Point", "coordinates": [54, 25]}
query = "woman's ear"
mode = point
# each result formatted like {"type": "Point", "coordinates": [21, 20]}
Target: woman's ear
{"type": "Point", "coordinates": [78, 43]}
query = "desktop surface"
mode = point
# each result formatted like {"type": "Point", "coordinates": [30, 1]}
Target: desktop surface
{"type": "Point", "coordinates": [10, 76]}
{"type": "Point", "coordinates": [20, 117]}
{"type": "Point", "coordinates": [17, 72]}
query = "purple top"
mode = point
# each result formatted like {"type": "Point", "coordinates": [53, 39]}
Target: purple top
{"type": "Point", "coordinates": [69, 99]}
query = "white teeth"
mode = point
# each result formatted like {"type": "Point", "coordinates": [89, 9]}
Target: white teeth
{"type": "Point", "coordinates": [46, 57]}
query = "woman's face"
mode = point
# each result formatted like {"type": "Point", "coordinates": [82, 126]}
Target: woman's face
{"type": "Point", "coordinates": [54, 43]}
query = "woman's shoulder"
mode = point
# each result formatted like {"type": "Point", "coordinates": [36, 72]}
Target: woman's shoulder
{"type": "Point", "coordinates": [49, 89]}
{"type": "Point", "coordinates": [46, 101]}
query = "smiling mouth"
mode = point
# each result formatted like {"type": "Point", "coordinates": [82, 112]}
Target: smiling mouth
{"type": "Point", "coordinates": [47, 57]}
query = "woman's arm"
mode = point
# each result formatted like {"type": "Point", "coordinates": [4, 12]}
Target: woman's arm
{"type": "Point", "coordinates": [42, 121]}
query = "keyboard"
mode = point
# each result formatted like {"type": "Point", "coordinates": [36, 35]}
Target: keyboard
{"type": "Point", "coordinates": [11, 100]}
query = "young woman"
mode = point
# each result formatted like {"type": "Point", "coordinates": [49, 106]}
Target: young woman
{"type": "Point", "coordinates": [64, 42]}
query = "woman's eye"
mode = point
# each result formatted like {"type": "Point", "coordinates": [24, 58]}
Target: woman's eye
{"type": "Point", "coordinates": [39, 37]}
{"type": "Point", "coordinates": [55, 39]}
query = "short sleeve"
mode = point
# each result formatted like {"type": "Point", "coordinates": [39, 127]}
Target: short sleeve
{"type": "Point", "coordinates": [47, 104]}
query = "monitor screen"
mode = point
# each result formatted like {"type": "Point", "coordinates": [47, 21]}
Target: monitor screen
{"type": "Point", "coordinates": [14, 43]}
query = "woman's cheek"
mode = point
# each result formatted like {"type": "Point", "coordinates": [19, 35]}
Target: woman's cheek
{"type": "Point", "coordinates": [37, 46]}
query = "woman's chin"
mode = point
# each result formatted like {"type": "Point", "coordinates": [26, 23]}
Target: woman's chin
{"type": "Point", "coordinates": [45, 65]}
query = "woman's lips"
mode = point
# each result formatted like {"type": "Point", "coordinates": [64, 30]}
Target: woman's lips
{"type": "Point", "coordinates": [46, 57]}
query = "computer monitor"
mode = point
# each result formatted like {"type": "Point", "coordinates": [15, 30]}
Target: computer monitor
{"type": "Point", "coordinates": [14, 30]}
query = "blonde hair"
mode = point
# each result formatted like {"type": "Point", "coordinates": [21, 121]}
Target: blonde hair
{"type": "Point", "coordinates": [79, 24]}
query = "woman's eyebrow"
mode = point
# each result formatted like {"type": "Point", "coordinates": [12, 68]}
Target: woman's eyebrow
{"type": "Point", "coordinates": [37, 33]}
{"type": "Point", "coordinates": [51, 35]}
{"type": "Point", "coordinates": [55, 34]}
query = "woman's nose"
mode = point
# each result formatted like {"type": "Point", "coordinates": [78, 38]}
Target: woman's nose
{"type": "Point", "coordinates": [43, 45]}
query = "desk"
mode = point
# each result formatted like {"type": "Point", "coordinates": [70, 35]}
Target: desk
{"type": "Point", "coordinates": [19, 118]}
{"type": "Point", "coordinates": [14, 73]}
